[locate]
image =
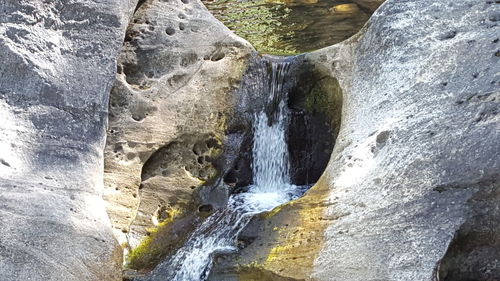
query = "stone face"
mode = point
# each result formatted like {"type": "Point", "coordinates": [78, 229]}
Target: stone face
{"type": "Point", "coordinates": [58, 65]}
{"type": "Point", "coordinates": [411, 191]}
{"type": "Point", "coordinates": [420, 156]}
{"type": "Point", "coordinates": [418, 134]}
{"type": "Point", "coordinates": [168, 111]}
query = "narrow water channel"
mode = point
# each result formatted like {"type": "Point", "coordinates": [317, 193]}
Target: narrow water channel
{"type": "Point", "coordinates": [271, 187]}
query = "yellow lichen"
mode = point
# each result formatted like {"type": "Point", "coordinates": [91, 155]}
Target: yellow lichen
{"type": "Point", "coordinates": [276, 252]}
{"type": "Point", "coordinates": [147, 253]}
{"type": "Point", "coordinates": [276, 210]}
{"type": "Point", "coordinates": [301, 238]}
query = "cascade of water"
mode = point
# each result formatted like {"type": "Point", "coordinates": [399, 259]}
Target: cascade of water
{"type": "Point", "coordinates": [271, 187]}
{"type": "Point", "coordinates": [270, 152]}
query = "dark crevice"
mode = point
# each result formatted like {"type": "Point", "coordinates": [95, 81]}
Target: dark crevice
{"type": "Point", "coordinates": [316, 105]}
{"type": "Point", "coordinates": [139, 4]}
{"type": "Point", "coordinates": [474, 253]}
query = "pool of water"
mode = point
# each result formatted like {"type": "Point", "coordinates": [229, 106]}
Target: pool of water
{"type": "Point", "coordinates": [292, 26]}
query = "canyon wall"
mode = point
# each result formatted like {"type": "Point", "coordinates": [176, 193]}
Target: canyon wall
{"type": "Point", "coordinates": [414, 180]}
{"type": "Point", "coordinates": [411, 191]}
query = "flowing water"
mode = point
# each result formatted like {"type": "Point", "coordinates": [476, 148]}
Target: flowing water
{"type": "Point", "coordinates": [271, 187]}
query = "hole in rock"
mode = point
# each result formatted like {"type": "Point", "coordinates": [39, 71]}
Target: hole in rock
{"type": "Point", "coordinates": [170, 31]}
{"type": "Point", "coordinates": [205, 208]}
{"type": "Point", "coordinates": [217, 56]}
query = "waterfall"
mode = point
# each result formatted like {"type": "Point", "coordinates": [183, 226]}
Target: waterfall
{"type": "Point", "coordinates": [271, 187]}
{"type": "Point", "coordinates": [271, 171]}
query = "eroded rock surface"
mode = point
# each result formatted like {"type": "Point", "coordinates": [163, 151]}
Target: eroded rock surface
{"type": "Point", "coordinates": [421, 158]}
{"type": "Point", "coordinates": [58, 65]}
{"type": "Point", "coordinates": [411, 191]}
{"type": "Point", "coordinates": [168, 112]}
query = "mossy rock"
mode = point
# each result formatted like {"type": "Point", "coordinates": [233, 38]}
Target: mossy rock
{"type": "Point", "coordinates": [162, 241]}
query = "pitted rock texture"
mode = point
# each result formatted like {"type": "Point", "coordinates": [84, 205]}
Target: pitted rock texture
{"type": "Point", "coordinates": [168, 111]}
{"type": "Point", "coordinates": [411, 191]}
{"type": "Point", "coordinates": [58, 66]}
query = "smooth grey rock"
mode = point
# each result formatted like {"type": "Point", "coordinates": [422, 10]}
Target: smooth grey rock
{"type": "Point", "coordinates": [58, 65]}
{"type": "Point", "coordinates": [417, 160]}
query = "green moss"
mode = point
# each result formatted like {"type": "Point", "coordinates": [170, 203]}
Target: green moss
{"type": "Point", "coordinates": [143, 252]}
{"type": "Point", "coordinates": [154, 247]}
{"type": "Point", "coordinates": [325, 97]}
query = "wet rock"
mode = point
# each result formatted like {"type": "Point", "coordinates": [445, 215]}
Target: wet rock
{"type": "Point", "coordinates": [315, 104]}
{"type": "Point", "coordinates": [58, 64]}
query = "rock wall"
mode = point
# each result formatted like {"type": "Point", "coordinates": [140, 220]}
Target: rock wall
{"type": "Point", "coordinates": [168, 112]}
{"type": "Point", "coordinates": [411, 190]}
{"type": "Point", "coordinates": [58, 65]}
{"type": "Point", "coordinates": [420, 159]}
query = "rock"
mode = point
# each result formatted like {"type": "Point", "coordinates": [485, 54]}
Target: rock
{"type": "Point", "coordinates": [419, 161]}
{"type": "Point", "coordinates": [411, 189]}
{"type": "Point", "coordinates": [168, 112]}
{"type": "Point", "coordinates": [58, 65]}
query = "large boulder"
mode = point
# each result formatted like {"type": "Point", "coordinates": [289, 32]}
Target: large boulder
{"type": "Point", "coordinates": [58, 66]}
{"type": "Point", "coordinates": [411, 190]}
{"type": "Point", "coordinates": [168, 118]}
{"type": "Point", "coordinates": [414, 182]}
